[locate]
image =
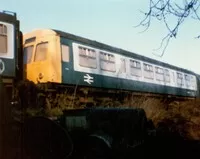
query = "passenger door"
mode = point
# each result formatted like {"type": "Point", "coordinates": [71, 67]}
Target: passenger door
{"type": "Point", "coordinates": [66, 61]}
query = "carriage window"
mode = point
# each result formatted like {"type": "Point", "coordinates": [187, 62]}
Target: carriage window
{"type": "Point", "coordinates": [148, 71]}
{"type": "Point", "coordinates": [167, 75]}
{"type": "Point", "coordinates": [135, 68]}
{"type": "Point", "coordinates": [159, 74]}
{"type": "Point", "coordinates": [123, 65]}
{"type": "Point", "coordinates": [65, 53]}
{"type": "Point", "coordinates": [180, 79]}
{"type": "Point", "coordinates": [3, 39]}
{"type": "Point", "coordinates": [148, 67]}
{"type": "Point", "coordinates": [41, 51]}
{"type": "Point", "coordinates": [187, 80]}
{"type": "Point", "coordinates": [107, 62]}
{"type": "Point", "coordinates": [87, 57]}
{"type": "Point", "coordinates": [187, 77]}
{"type": "Point", "coordinates": [135, 64]}
{"type": "Point", "coordinates": [159, 70]}
{"type": "Point", "coordinates": [28, 54]}
{"type": "Point", "coordinates": [193, 81]}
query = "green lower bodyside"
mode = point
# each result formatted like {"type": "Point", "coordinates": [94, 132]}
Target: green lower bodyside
{"type": "Point", "coordinates": [77, 78]}
{"type": "Point", "coordinates": [7, 67]}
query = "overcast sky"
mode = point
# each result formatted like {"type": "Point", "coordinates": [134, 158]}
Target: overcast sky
{"type": "Point", "coordinates": [111, 22]}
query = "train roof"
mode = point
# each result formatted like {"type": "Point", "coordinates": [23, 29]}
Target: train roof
{"type": "Point", "coordinates": [108, 48]}
{"type": "Point", "coordinates": [9, 17]}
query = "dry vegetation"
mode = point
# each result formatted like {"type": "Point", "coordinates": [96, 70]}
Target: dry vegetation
{"type": "Point", "coordinates": [179, 116]}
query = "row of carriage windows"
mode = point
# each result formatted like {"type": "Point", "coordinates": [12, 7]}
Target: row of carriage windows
{"type": "Point", "coordinates": [3, 39]}
{"type": "Point", "coordinates": [88, 58]}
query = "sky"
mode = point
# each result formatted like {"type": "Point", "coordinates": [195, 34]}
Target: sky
{"type": "Point", "coordinates": [111, 22]}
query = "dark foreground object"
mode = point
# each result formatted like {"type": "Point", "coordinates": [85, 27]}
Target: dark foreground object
{"type": "Point", "coordinates": [103, 133]}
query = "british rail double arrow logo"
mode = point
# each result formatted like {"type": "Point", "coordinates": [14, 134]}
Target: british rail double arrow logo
{"type": "Point", "coordinates": [88, 79]}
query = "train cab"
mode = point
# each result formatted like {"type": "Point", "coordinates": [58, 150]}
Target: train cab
{"type": "Point", "coordinates": [42, 56]}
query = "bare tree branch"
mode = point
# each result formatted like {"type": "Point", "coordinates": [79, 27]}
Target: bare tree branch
{"type": "Point", "coordinates": [164, 10]}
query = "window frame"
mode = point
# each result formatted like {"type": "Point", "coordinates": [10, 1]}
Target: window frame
{"type": "Point", "coordinates": [36, 47]}
{"type": "Point", "coordinates": [65, 58]}
{"type": "Point", "coordinates": [87, 56]}
{"type": "Point", "coordinates": [187, 79]}
{"type": "Point", "coordinates": [123, 68]}
{"type": "Point", "coordinates": [167, 75]}
{"type": "Point", "coordinates": [159, 73]}
{"type": "Point", "coordinates": [158, 70]}
{"type": "Point", "coordinates": [134, 64]}
{"type": "Point", "coordinates": [148, 67]}
{"type": "Point", "coordinates": [30, 60]}
{"type": "Point", "coordinates": [107, 58]}
{"type": "Point", "coordinates": [180, 78]}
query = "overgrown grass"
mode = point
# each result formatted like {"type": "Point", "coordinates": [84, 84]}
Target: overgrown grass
{"type": "Point", "coordinates": [180, 116]}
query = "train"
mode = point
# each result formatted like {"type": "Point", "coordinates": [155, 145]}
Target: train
{"type": "Point", "coordinates": [59, 71]}
{"type": "Point", "coordinates": [78, 72]}
{"type": "Point", "coordinates": [73, 60]}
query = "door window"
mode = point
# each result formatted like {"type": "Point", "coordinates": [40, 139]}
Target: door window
{"type": "Point", "coordinates": [65, 53]}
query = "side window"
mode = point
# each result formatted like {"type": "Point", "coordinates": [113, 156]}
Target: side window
{"type": "Point", "coordinates": [87, 57]}
{"type": "Point", "coordinates": [173, 76]}
{"type": "Point", "coordinates": [180, 79]}
{"type": "Point", "coordinates": [167, 75]}
{"type": "Point", "coordinates": [148, 67]}
{"type": "Point", "coordinates": [28, 51]}
{"type": "Point", "coordinates": [148, 71]}
{"type": "Point", "coordinates": [187, 80]}
{"type": "Point", "coordinates": [135, 68]}
{"type": "Point", "coordinates": [159, 74]}
{"type": "Point", "coordinates": [65, 53]}
{"type": "Point", "coordinates": [193, 81]}
{"type": "Point", "coordinates": [41, 51]}
{"type": "Point", "coordinates": [135, 64]}
{"type": "Point", "coordinates": [107, 62]}
{"type": "Point", "coordinates": [3, 39]}
{"type": "Point", "coordinates": [159, 71]}
{"type": "Point", "coordinates": [123, 66]}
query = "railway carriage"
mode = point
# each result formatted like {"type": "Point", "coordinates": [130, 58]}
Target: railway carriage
{"type": "Point", "coordinates": [61, 58]}
{"type": "Point", "coordinates": [10, 38]}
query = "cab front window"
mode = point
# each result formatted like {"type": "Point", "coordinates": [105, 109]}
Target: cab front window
{"type": "Point", "coordinates": [41, 51]}
{"type": "Point", "coordinates": [28, 51]}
